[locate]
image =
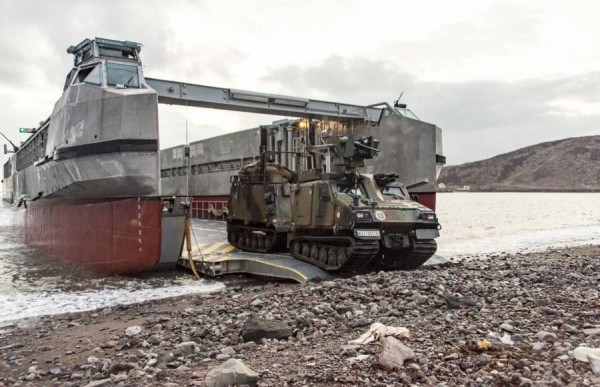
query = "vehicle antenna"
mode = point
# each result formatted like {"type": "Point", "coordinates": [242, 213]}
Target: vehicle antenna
{"type": "Point", "coordinates": [397, 102]}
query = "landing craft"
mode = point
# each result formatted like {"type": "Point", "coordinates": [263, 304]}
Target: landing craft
{"type": "Point", "coordinates": [90, 175]}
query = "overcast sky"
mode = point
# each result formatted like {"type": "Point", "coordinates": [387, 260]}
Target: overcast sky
{"type": "Point", "coordinates": [494, 75]}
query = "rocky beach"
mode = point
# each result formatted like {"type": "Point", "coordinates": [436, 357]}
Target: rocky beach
{"type": "Point", "coordinates": [499, 320]}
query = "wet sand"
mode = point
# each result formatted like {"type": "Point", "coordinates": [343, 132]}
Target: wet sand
{"type": "Point", "coordinates": [508, 320]}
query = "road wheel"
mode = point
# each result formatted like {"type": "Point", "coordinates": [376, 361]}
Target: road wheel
{"type": "Point", "coordinates": [314, 251]}
{"type": "Point", "coordinates": [306, 249]}
{"type": "Point", "coordinates": [297, 247]}
{"type": "Point", "coordinates": [268, 243]}
{"type": "Point", "coordinates": [332, 257]}
{"type": "Point", "coordinates": [341, 256]}
{"type": "Point", "coordinates": [323, 255]}
{"type": "Point", "coordinates": [232, 237]}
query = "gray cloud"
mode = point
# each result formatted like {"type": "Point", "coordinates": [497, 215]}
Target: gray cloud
{"type": "Point", "coordinates": [480, 118]}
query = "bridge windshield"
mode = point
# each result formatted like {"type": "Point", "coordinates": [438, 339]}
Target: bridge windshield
{"type": "Point", "coordinates": [122, 75]}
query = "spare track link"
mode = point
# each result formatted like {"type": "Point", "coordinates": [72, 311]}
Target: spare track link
{"type": "Point", "coordinates": [335, 253]}
{"type": "Point", "coordinates": [244, 238]}
{"type": "Point", "coordinates": [422, 250]}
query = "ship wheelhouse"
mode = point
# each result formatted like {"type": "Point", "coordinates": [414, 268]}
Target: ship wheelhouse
{"type": "Point", "coordinates": [106, 63]}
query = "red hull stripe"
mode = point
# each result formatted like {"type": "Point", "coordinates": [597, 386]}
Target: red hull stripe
{"type": "Point", "coordinates": [427, 199]}
{"type": "Point", "coordinates": [114, 236]}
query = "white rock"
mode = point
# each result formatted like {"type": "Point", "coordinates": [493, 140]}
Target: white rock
{"type": "Point", "coordinates": [507, 327]}
{"type": "Point", "coordinates": [594, 361]}
{"type": "Point", "coordinates": [132, 331]}
{"type": "Point", "coordinates": [232, 372]}
{"type": "Point", "coordinates": [592, 331]}
{"type": "Point", "coordinates": [582, 353]}
{"type": "Point", "coordinates": [506, 339]}
{"type": "Point", "coordinates": [394, 354]}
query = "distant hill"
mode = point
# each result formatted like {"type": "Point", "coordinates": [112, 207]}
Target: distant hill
{"type": "Point", "coordinates": [572, 164]}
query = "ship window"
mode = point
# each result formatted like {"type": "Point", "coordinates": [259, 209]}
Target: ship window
{"type": "Point", "coordinates": [89, 75]}
{"type": "Point", "coordinates": [93, 77]}
{"type": "Point", "coordinates": [7, 169]}
{"type": "Point", "coordinates": [122, 75]}
{"type": "Point", "coordinates": [197, 150]}
{"type": "Point", "coordinates": [177, 153]}
{"type": "Point", "coordinates": [225, 145]}
{"type": "Point", "coordinates": [113, 52]}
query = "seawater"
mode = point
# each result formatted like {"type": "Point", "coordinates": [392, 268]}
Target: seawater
{"type": "Point", "coordinates": [480, 224]}
{"type": "Point", "coordinates": [474, 225]}
{"type": "Point", "coordinates": [33, 284]}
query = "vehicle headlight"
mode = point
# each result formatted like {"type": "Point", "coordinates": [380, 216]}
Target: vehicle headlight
{"type": "Point", "coordinates": [363, 216]}
{"type": "Point", "coordinates": [428, 216]}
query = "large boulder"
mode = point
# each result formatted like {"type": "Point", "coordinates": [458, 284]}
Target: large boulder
{"type": "Point", "coordinates": [255, 329]}
{"type": "Point", "coordinates": [233, 372]}
{"type": "Point", "coordinates": [393, 354]}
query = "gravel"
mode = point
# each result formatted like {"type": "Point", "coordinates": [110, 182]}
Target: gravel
{"type": "Point", "coordinates": [504, 320]}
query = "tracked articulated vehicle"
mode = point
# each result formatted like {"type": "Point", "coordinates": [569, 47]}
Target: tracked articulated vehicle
{"type": "Point", "coordinates": [260, 207]}
{"type": "Point", "coordinates": [339, 220]}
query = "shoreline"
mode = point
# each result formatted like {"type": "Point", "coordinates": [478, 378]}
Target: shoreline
{"type": "Point", "coordinates": [547, 302]}
{"type": "Point", "coordinates": [533, 190]}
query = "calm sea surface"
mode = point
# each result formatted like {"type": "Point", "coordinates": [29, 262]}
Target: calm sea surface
{"type": "Point", "coordinates": [478, 224]}
{"type": "Point", "coordinates": [474, 224]}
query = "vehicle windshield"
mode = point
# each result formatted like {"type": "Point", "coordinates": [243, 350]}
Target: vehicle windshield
{"type": "Point", "coordinates": [351, 190]}
{"type": "Point", "coordinates": [395, 192]}
{"type": "Point", "coordinates": [407, 113]}
{"type": "Point", "coordinates": [122, 75]}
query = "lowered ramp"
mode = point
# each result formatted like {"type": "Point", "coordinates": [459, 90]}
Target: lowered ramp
{"type": "Point", "coordinates": [268, 265]}
{"type": "Point", "coordinates": [213, 256]}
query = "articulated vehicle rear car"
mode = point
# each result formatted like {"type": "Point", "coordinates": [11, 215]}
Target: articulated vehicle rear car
{"type": "Point", "coordinates": [340, 220]}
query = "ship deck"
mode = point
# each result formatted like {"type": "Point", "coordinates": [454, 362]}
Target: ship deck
{"type": "Point", "coordinates": [214, 256]}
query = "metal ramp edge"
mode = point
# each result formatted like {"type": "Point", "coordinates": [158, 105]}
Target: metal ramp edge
{"type": "Point", "coordinates": [270, 265]}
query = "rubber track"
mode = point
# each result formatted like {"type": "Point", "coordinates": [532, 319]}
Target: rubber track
{"type": "Point", "coordinates": [363, 252]}
{"type": "Point", "coordinates": [421, 252]}
{"type": "Point", "coordinates": [277, 239]}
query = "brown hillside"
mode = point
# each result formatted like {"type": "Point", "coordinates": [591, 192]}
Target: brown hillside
{"type": "Point", "coordinates": [572, 164]}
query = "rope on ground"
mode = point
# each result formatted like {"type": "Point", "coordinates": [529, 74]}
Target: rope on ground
{"type": "Point", "coordinates": [188, 243]}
